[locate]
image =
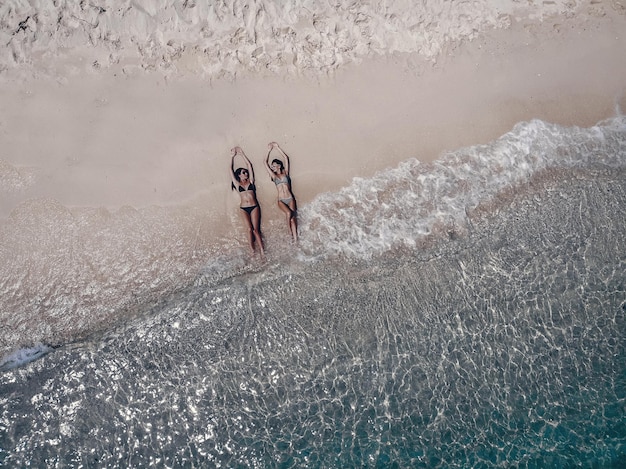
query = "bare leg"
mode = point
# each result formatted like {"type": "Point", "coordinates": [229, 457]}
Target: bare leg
{"type": "Point", "coordinates": [250, 229]}
{"type": "Point", "coordinates": [293, 222]}
{"type": "Point", "coordinates": [256, 228]}
{"type": "Point", "coordinates": [290, 217]}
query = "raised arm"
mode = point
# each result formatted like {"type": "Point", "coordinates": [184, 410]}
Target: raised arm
{"type": "Point", "coordinates": [238, 151]}
{"type": "Point", "coordinates": [232, 167]}
{"type": "Point", "coordinates": [248, 163]}
{"type": "Point", "coordinates": [271, 146]}
{"type": "Point", "coordinates": [267, 160]}
{"type": "Point", "coordinates": [285, 156]}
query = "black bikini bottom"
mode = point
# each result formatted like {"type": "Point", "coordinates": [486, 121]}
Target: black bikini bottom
{"type": "Point", "coordinates": [249, 209]}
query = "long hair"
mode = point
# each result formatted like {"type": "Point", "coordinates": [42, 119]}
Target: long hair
{"type": "Point", "coordinates": [238, 176]}
{"type": "Point", "coordinates": [279, 163]}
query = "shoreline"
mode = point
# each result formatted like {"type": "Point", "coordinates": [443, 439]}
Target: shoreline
{"type": "Point", "coordinates": [156, 152]}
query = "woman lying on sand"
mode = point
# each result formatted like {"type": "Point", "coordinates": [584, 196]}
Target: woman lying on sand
{"type": "Point", "coordinates": [279, 173]}
{"type": "Point", "coordinates": [243, 180]}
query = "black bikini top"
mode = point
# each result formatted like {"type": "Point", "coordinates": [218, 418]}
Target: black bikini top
{"type": "Point", "coordinates": [251, 187]}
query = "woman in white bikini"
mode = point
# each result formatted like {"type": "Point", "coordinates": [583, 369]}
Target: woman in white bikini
{"type": "Point", "coordinates": [243, 181]}
{"type": "Point", "coordinates": [279, 173]}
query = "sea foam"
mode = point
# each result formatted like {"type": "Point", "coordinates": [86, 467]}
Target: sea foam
{"type": "Point", "coordinates": [23, 356]}
{"type": "Point", "coordinates": [405, 205]}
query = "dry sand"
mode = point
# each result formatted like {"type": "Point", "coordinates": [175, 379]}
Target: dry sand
{"type": "Point", "coordinates": [113, 139]}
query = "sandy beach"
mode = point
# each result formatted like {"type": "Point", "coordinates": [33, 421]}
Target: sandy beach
{"type": "Point", "coordinates": [109, 137]}
{"type": "Point", "coordinates": [114, 165]}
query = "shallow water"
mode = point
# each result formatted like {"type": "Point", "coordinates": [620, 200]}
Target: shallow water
{"type": "Point", "coordinates": [500, 346]}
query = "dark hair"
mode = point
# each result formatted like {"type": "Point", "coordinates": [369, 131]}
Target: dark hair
{"type": "Point", "coordinates": [279, 163]}
{"type": "Point", "coordinates": [237, 173]}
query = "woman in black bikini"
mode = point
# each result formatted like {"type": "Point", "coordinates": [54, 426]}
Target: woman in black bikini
{"type": "Point", "coordinates": [279, 173]}
{"type": "Point", "coordinates": [243, 181]}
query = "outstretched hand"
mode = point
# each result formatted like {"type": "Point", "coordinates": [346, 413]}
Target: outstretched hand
{"type": "Point", "coordinates": [235, 150]}
{"type": "Point", "coordinates": [272, 145]}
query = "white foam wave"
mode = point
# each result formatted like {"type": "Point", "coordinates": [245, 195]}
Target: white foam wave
{"type": "Point", "coordinates": [23, 356]}
{"type": "Point", "coordinates": [404, 205]}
